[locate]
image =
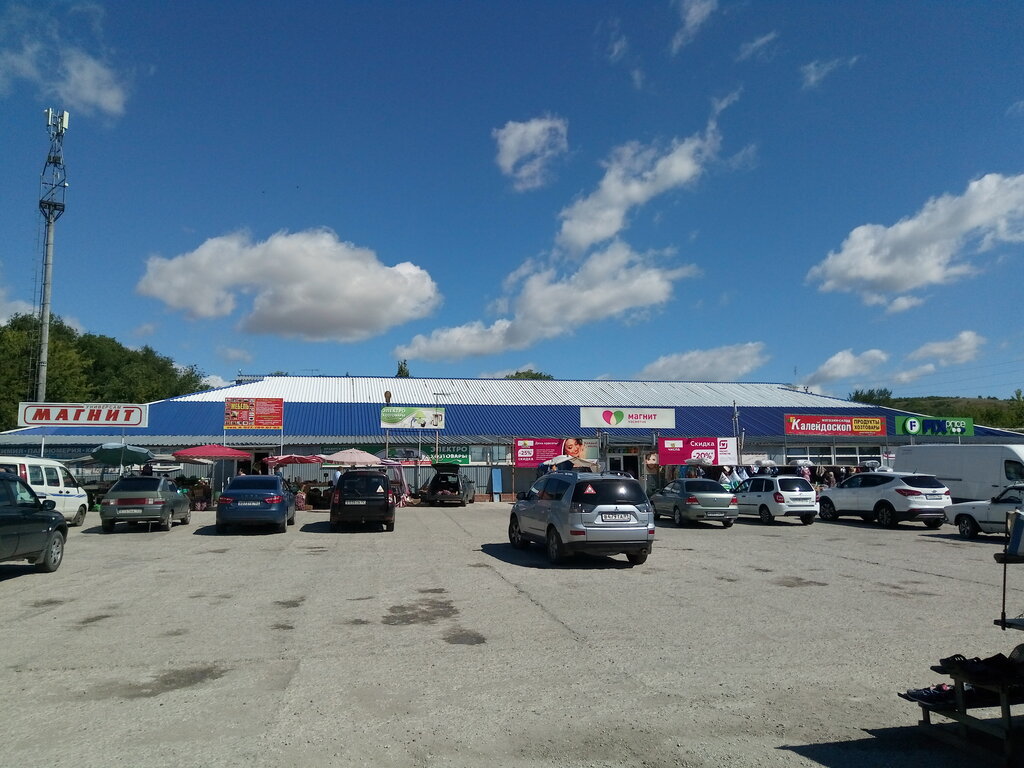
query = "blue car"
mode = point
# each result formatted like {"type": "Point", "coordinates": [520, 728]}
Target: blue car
{"type": "Point", "coordinates": [256, 500]}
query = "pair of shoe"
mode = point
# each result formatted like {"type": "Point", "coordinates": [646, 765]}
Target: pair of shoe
{"type": "Point", "coordinates": [937, 694]}
{"type": "Point", "coordinates": [994, 669]}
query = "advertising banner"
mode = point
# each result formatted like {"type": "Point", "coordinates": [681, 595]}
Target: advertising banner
{"type": "Point", "coordinates": [82, 414]}
{"type": "Point", "coordinates": [958, 426]}
{"type": "Point", "coordinates": [640, 418]}
{"type": "Point", "coordinates": [800, 424]}
{"type": "Point", "coordinates": [714, 450]}
{"type": "Point", "coordinates": [254, 413]}
{"type": "Point", "coordinates": [534, 451]}
{"type": "Point", "coordinates": [402, 417]}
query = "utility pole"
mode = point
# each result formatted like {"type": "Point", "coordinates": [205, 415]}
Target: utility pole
{"type": "Point", "coordinates": [53, 185]}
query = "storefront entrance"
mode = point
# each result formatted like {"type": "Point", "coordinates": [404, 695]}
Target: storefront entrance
{"type": "Point", "coordinates": [624, 462]}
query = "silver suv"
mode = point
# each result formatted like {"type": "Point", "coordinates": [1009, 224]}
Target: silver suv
{"type": "Point", "coordinates": [604, 513]}
{"type": "Point", "coordinates": [782, 496]}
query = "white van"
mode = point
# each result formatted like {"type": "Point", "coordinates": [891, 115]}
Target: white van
{"type": "Point", "coordinates": [971, 472]}
{"type": "Point", "coordinates": [50, 480]}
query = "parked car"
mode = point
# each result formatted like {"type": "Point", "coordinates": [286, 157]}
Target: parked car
{"type": "Point", "coordinates": [974, 517]}
{"type": "Point", "coordinates": [144, 499]}
{"type": "Point", "coordinates": [769, 497]}
{"type": "Point", "coordinates": [604, 513]}
{"type": "Point", "coordinates": [688, 500]}
{"type": "Point", "coordinates": [363, 496]}
{"type": "Point", "coordinates": [256, 500]}
{"type": "Point", "coordinates": [888, 497]}
{"type": "Point", "coordinates": [448, 486]}
{"type": "Point", "coordinates": [30, 528]}
{"type": "Point", "coordinates": [50, 480]}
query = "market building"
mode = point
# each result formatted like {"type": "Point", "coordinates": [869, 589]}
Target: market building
{"type": "Point", "coordinates": [476, 423]}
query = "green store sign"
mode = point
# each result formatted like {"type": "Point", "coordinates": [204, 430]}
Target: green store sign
{"type": "Point", "coordinates": [919, 426]}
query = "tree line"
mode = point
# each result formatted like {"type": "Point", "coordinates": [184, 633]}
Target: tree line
{"type": "Point", "coordinates": [1002, 413]}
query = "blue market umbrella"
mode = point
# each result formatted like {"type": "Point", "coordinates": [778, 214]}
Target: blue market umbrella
{"type": "Point", "coordinates": [121, 455]}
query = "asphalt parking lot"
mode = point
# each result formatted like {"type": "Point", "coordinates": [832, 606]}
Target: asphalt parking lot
{"type": "Point", "coordinates": [439, 644]}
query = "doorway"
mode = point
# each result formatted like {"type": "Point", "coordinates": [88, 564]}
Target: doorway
{"type": "Point", "coordinates": [624, 462]}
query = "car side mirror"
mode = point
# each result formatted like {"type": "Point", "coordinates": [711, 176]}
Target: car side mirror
{"type": "Point", "coordinates": [49, 504]}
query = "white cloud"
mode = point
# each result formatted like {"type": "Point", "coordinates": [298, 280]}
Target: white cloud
{"type": "Point", "coordinates": [308, 285]}
{"type": "Point", "coordinates": [80, 79]}
{"type": "Point", "coordinates": [694, 14]}
{"type": "Point", "coordinates": [634, 175]}
{"type": "Point", "coordinates": [11, 307]}
{"type": "Point", "coordinates": [216, 381]}
{"type": "Point", "coordinates": [913, 374]}
{"type": "Point", "coordinates": [759, 48]}
{"type": "Point", "coordinates": [816, 71]}
{"type": "Point", "coordinates": [146, 329]}
{"type": "Point", "coordinates": [608, 284]}
{"type": "Point", "coordinates": [1017, 108]}
{"type": "Point", "coordinates": [525, 150]}
{"type": "Point", "coordinates": [234, 355]}
{"type": "Point", "coordinates": [902, 304]}
{"type": "Point", "coordinates": [729, 363]}
{"type": "Point", "coordinates": [961, 349]}
{"type": "Point", "coordinates": [844, 364]}
{"type": "Point", "coordinates": [926, 249]}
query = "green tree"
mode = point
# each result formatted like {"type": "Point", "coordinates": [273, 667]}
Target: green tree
{"type": "Point", "coordinates": [403, 370]}
{"type": "Point", "coordinates": [872, 396]}
{"type": "Point", "coordinates": [529, 373]}
{"type": "Point", "coordinates": [1017, 409]}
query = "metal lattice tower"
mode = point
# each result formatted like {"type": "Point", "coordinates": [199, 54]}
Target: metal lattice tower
{"type": "Point", "coordinates": [53, 186]}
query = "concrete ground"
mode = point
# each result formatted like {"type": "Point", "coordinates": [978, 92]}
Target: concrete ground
{"type": "Point", "coordinates": [440, 645]}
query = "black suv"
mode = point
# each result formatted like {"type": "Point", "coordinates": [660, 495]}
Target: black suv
{"type": "Point", "coordinates": [363, 496]}
{"type": "Point", "coordinates": [30, 529]}
{"type": "Point", "coordinates": [448, 486]}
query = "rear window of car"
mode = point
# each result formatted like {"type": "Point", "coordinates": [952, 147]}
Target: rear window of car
{"type": "Point", "coordinates": [363, 485]}
{"type": "Point", "coordinates": [133, 484]}
{"type": "Point", "coordinates": [253, 483]}
{"type": "Point", "coordinates": [923, 481]}
{"type": "Point", "coordinates": [704, 486]}
{"type": "Point", "coordinates": [608, 492]}
{"type": "Point", "coordinates": [794, 484]}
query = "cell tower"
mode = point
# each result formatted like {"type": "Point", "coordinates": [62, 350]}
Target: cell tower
{"type": "Point", "coordinates": [53, 185]}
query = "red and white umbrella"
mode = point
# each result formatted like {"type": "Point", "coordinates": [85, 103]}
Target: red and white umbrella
{"type": "Point", "coordinates": [294, 458]}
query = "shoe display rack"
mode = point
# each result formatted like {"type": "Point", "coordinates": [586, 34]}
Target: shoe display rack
{"type": "Point", "coordinates": [993, 683]}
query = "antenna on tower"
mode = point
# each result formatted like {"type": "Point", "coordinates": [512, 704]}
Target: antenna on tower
{"type": "Point", "coordinates": [52, 187]}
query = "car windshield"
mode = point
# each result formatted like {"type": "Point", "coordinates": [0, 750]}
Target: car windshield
{"type": "Point", "coordinates": [922, 481]}
{"type": "Point", "coordinates": [608, 492]}
{"type": "Point", "coordinates": [253, 483]}
{"type": "Point", "coordinates": [363, 485]}
{"type": "Point", "coordinates": [794, 484]}
{"type": "Point", "coordinates": [704, 486]}
{"type": "Point", "coordinates": [134, 484]}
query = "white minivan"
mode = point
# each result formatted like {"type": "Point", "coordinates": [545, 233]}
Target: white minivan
{"type": "Point", "coordinates": [50, 480]}
{"type": "Point", "coordinates": [970, 471]}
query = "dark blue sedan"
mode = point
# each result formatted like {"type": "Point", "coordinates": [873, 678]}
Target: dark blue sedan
{"type": "Point", "coordinates": [256, 500]}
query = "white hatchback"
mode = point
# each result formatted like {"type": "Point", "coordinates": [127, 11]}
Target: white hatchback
{"type": "Point", "coordinates": [783, 496]}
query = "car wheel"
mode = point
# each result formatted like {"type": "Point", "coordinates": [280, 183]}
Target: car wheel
{"type": "Point", "coordinates": [828, 510]}
{"type": "Point", "coordinates": [79, 516]}
{"type": "Point", "coordinates": [515, 535]}
{"type": "Point", "coordinates": [187, 518]}
{"type": "Point", "coordinates": [335, 526]}
{"type": "Point", "coordinates": [167, 524]}
{"type": "Point", "coordinates": [52, 554]}
{"type": "Point", "coordinates": [291, 520]}
{"type": "Point", "coordinates": [462, 503]}
{"type": "Point", "coordinates": [282, 527]}
{"type": "Point", "coordinates": [677, 516]}
{"type": "Point", "coordinates": [935, 522]}
{"type": "Point", "coordinates": [636, 558]}
{"type": "Point", "coordinates": [727, 523]}
{"type": "Point", "coordinates": [967, 526]}
{"type": "Point", "coordinates": [657, 514]}
{"type": "Point", "coordinates": [389, 527]}
{"type": "Point", "coordinates": [221, 528]}
{"type": "Point", "coordinates": [886, 516]}
{"type": "Point", "coordinates": [556, 552]}
{"type": "Point", "coordinates": [108, 526]}
{"type": "Point", "coordinates": [766, 515]}
{"type": "Point", "coordinates": [807, 519]}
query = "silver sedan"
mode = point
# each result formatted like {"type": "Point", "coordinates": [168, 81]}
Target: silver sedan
{"type": "Point", "coordinates": [689, 500]}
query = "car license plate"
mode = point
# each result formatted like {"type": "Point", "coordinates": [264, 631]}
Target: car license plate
{"type": "Point", "coordinates": [248, 503]}
{"type": "Point", "coordinates": [933, 496]}
{"type": "Point", "coordinates": [129, 511]}
{"type": "Point", "coordinates": [616, 517]}
{"type": "Point", "coordinates": [355, 501]}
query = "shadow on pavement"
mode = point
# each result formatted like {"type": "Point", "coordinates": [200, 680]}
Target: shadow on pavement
{"type": "Point", "coordinates": [534, 557]}
{"type": "Point", "coordinates": [895, 747]}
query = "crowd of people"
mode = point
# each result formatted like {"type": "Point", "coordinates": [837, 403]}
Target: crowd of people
{"type": "Point", "coordinates": [732, 476]}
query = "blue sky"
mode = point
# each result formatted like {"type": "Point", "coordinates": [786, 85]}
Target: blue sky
{"type": "Point", "coordinates": [824, 194]}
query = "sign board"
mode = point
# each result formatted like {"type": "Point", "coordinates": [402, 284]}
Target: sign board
{"type": "Point", "coordinates": [713, 450]}
{"type": "Point", "coordinates": [800, 424]}
{"type": "Point", "coordinates": [82, 415]}
{"type": "Point", "coordinates": [253, 413]}
{"type": "Point", "coordinates": [534, 451]}
{"type": "Point", "coordinates": [637, 418]}
{"type": "Point", "coordinates": [958, 426]}
{"type": "Point", "coordinates": [402, 417]}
